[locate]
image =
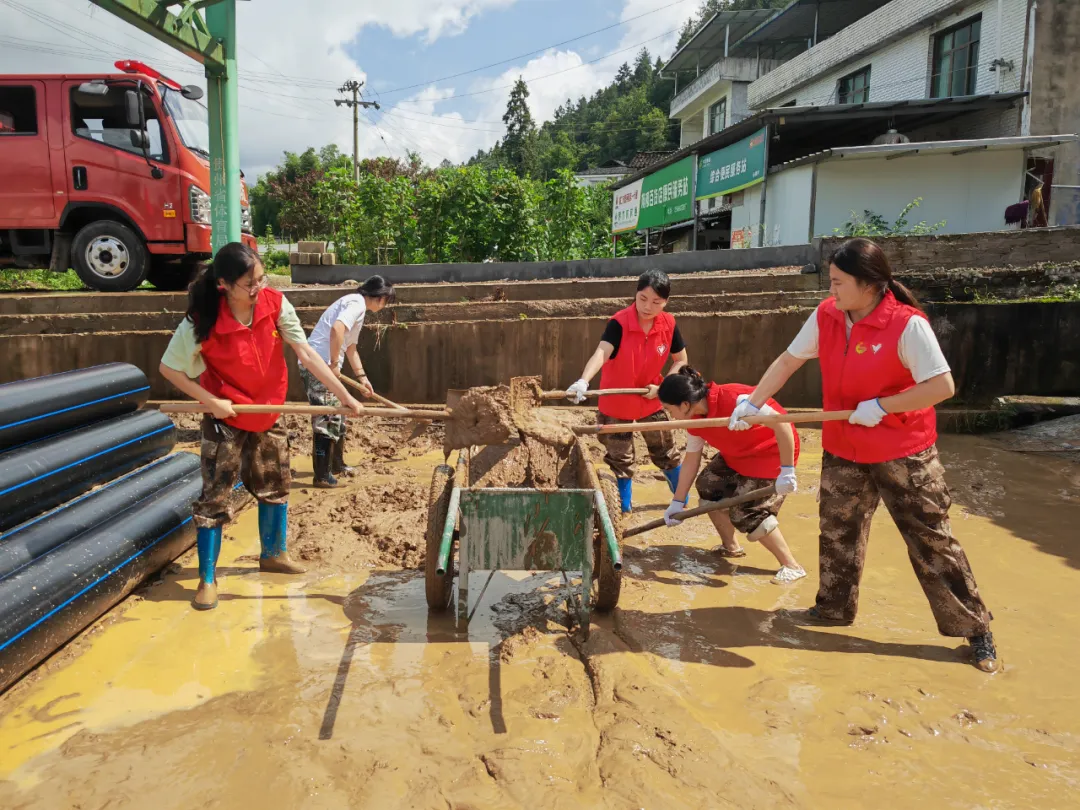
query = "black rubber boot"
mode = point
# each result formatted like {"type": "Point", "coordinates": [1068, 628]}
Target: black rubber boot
{"type": "Point", "coordinates": [321, 459]}
{"type": "Point", "coordinates": [337, 460]}
{"type": "Point", "coordinates": [983, 652]}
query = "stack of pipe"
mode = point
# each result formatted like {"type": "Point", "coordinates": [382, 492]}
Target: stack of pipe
{"type": "Point", "coordinates": [69, 552]}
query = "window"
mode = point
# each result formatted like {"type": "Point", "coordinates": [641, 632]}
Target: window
{"type": "Point", "coordinates": [18, 110]}
{"type": "Point", "coordinates": [717, 116]}
{"type": "Point", "coordinates": [855, 87]}
{"type": "Point", "coordinates": [103, 118]}
{"type": "Point", "coordinates": [956, 60]}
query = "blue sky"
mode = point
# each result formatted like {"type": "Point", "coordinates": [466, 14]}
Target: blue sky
{"type": "Point", "coordinates": [292, 61]}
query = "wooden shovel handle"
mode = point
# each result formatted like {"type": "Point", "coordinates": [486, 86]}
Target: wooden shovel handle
{"type": "Point", "coordinates": [600, 393]}
{"type": "Point", "coordinates": [727, 503]}
{"type": "Point", "coordinates": [721, 422]}
{"type": "Point", "coordinates": [304, 410]}
{"type": "Point", "coordinates": [377, 397]}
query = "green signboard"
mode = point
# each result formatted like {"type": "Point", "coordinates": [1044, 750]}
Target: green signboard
{"type": "Point", "coordinates": [732, 168]}
{"type": "Point", "coordinates": [667, 196]}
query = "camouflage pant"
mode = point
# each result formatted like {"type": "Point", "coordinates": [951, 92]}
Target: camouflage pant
{"type": "Point", "coordinates": [317, 394]}
{"type": "Point", "coordinates": [718, 481]}
{"type": "Point", "coordinates": [915, 493]}
{"type": "Point", "coordinates": [620, 446]}
{"type": "Point", "coordinates": [259, 460]}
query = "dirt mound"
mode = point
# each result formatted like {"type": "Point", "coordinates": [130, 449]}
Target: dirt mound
{"type": "Point", "coordinates": [481, 417]}
{"type": "Point", "coordinates": [376, 526]}
{"type": "Point", "coordinates": [524, 463]}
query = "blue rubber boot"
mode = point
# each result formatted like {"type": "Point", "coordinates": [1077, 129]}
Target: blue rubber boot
{"type": "Point", "coordinates": [208, 544]}
{"type": "Point", "coordinates": [626, 494]}
{"type": "Point", "coordinates": [273, 528]}
{"type": "Point", "coordinates": [672, 477]}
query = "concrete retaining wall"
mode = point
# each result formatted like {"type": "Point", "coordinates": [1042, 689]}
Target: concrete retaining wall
{"type": "Point", "coordinates": [672, 264]}
{"type": "Point", "coordinates": [966, 250]}
{"type": "Point", "coordinates": [994, 350]}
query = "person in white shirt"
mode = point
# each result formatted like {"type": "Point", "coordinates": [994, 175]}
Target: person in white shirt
{"type": "Point", "coordinates": [334, 338]}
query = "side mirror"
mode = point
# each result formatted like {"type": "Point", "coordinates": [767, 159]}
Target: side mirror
{"type": "Point", "coordinates": [140, 140]}
{"type": "Point", "coordinates": [133, 108]}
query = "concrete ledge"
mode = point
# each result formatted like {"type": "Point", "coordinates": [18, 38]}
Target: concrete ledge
{"type": "Point", "coordinates": [671, 263]}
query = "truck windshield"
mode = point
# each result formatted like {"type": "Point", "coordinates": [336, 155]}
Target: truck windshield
{"type": "Point", "coordinates": [191, 120]}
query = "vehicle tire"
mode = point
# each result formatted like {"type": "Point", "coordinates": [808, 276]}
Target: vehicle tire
{"type": "Point", "coordinates": [438, 588]}
{"type": "Point", "coordinates": [109, 256]}
{"type": "Point", "coordinates": [171, 276]}
{"type": "Point", "coordinates": [608, 580]}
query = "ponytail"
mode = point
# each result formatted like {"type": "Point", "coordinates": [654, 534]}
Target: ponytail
{"type": "Point", "coordinates": [232, 262]}
{"type": "Point", "coordinates": [867, 262]}
{"type": "Point", "coordinates": [685, 386]}
{"type": "Point", "coordinates": [903, 294]}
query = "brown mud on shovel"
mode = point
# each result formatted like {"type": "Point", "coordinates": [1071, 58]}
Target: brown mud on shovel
{"type": "Point", "coordinates": [541, 426]}
{"type": "Point", "coordinates": [494, 415]}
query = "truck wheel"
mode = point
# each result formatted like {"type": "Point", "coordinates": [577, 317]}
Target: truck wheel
{"type": "Point", "coordinates": [171, 276]}
{"type": "Point", "coordinates": [109, 256]}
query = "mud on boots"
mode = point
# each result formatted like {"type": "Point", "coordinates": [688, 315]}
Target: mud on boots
{"type": "Point", "coordinates": [636, 345]}
{"type": "Point", "coordinates": [229, 348]}
{"type": "Point", "coordinates": [745, 461]}
{"type": "Point", "coordinates": [273, 530]}
{"type": "Point", "coordinates": [208, 545]}
{"type": "Point", "coordinates": [334, 338]}
{"type": "Point", "coordinates": [880, 359]}
{"type": "Point", "coordinates": [322, 451]}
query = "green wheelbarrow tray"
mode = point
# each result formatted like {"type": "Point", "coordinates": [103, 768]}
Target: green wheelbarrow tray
{"type": "Point", "coordinates": [516, 529]}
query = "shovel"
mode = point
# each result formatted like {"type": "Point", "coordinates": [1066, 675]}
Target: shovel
{"type": "Point", "coordinates": [525, 392]}
{"type": "Point", "coordinates": [303, 409]}
{"type": "Point", "coordinates": [378, 398]}
{"type": "Point", "coordinates": [727, 503]}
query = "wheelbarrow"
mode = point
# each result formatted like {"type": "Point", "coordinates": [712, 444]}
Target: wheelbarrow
{"type": "Point", "coordinates": [523, 529]}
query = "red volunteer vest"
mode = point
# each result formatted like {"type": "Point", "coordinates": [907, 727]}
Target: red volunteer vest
{"type": "Point", "coordinates": [247, 365]}
{"type": "Point", "coordinates": [637, 364]}
{"type": "Point", "coordinates": [752, 452]}
{"type": "Point", "coordinates": [865, 366]}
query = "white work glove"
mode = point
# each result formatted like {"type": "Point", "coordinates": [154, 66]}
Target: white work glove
{"type": "Point", "coordinates": [785, 482]}
{"type": "Point", "coordinates": [868, 414]}
{"type": "Point", "coordinates": [674, 509]}
{"type": "Point", "coordinates": [743, 407]}
{"type": "Point", "coordinates": [576, 392]}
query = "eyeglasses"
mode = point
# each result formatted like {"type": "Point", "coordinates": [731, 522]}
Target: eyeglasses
{"type": "Point", "coordinates": [255, 286]}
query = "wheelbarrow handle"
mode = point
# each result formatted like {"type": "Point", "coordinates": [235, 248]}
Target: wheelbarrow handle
{"type": "Point", "coordinates": [727, 503]}
{"type": "Point", "coordinates": [719, 422]}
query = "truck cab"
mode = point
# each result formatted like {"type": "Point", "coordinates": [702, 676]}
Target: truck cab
{"type": "Point", "coordinates": [108, 175]}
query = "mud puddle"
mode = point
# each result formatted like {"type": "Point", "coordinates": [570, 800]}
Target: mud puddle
{"type": "Point", "coordinates": [340, 690]}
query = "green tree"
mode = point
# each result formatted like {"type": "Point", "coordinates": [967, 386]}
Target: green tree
{"type": "Point", "coordinates": [520, 141]}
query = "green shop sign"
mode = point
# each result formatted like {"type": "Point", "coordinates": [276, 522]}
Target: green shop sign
{"type": "Point", "coordinates": [663, 198]}
{"type": "Point", "coordinates": [732, 168]}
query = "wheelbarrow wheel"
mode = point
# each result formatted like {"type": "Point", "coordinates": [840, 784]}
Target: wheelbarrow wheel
{"type": "Point", "coordinates": [438, 588]}
{"type": "Point", "coordinates": [608, 580]}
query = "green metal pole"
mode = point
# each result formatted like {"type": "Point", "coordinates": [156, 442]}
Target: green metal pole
{"type": "Point", "coordinates": [223, 104]}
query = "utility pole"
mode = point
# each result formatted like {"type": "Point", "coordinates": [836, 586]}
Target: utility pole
{"type": "Point", "coordinates": [353, 86]}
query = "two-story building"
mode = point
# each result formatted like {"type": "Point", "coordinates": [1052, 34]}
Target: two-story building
{"type": "Point", "coordinates": [992, 77]}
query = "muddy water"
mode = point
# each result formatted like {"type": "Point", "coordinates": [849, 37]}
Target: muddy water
{"type": "Point", "coordinates": [339, 690]}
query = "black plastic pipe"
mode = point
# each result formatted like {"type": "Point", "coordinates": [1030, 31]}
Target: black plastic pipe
{"type": "Point", "coordinates": [46, 603]}
{"type": "Point", "coordinates": [27, 542]}
{"type": "Point", "coordinates": [43, 406]}
{"type": "Point", "coordinates": [38, 476]}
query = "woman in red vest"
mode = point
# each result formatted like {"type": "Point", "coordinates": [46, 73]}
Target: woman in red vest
{"type": "Point", "coordinates": [745, 461]}
{"type": "Point", "coordinates": [880, 359]}
{"type": "Point", "coordinates": [633, 351]}
{"type": "Point", "coordinates": [232, 342]}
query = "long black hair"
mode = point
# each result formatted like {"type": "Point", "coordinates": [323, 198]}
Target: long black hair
{"type": "Point", "coordinates": [232, 262]}
{"type": "Point", "coordinates": [378, 287]}
{"type": "Point", "coordinates": [685, 386]}
{"type": "Point", "coordinates": [657, 280]}
{"type": "Point", "coordinates": [867, 262]}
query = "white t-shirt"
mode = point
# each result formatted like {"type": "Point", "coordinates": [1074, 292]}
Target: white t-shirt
{"type": "Point", "coordinates": [918, 348]}
{"type": "Point", "coordinates": [348, 310]}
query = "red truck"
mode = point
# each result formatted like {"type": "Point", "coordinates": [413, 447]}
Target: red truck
{"type": "Point", "coordinates": [108, 174]}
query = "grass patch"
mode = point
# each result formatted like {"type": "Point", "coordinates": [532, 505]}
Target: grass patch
{"type": "Point", "coordinates": [39, 280]}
